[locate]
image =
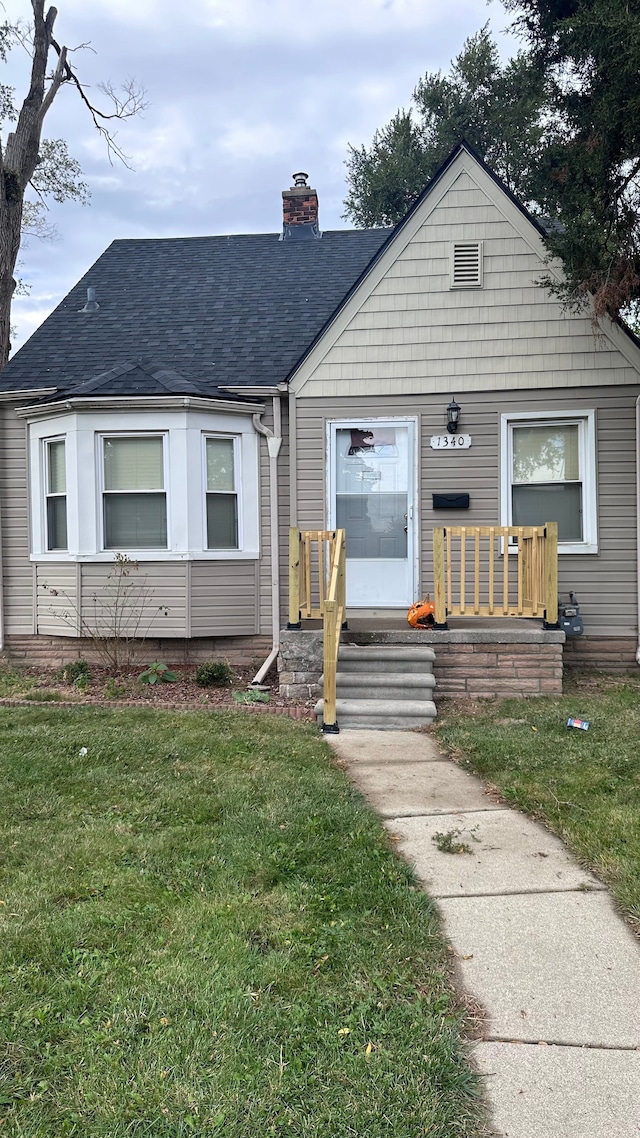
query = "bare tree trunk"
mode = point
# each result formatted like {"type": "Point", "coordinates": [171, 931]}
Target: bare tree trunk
{"type": "Point", "coordinates": [10, 232]}
{"type": "Point", "coordinates": [20, 158]}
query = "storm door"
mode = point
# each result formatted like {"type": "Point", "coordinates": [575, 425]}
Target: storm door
{"type": "Point", "coordinates": [372, 488]}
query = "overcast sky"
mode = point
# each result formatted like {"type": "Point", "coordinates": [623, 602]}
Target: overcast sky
{"type": "Point", "coordinates": [241, 94]}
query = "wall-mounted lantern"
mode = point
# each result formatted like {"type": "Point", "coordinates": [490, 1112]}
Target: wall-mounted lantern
{"type": "Point", "coordinates": [453, 416]}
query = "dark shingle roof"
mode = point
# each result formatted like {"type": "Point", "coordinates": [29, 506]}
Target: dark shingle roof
{"type": "Point", "coordinates": [216, 310]}
{"type": "Point", "coordinates": [138, 377]}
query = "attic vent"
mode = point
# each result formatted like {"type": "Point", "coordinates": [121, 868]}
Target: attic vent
{"type": "Point", "coordinates": [466, 264]}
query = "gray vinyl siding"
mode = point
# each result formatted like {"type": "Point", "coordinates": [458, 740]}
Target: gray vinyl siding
{"type": "Point", "coordinates": [605, 582]}
{"type": "Point", "coordinates": [201, 598]}
{"type": "Point", "coordinates": [284, 513]}
{"type": "Point", "coordinates": [406, 331]}
{"type": "Point", "coordinates": [264, 614]}
{"type": "Point", "coordinates": [224, 598]}
{"type": "Point", "coordinates": [156, 604]}
{"type": "Point", "coordinates": [74, 598]}
{"type": "Point", "coordinates": [57, 599]}
{"type": "Point", "coordinates": [17, 570]}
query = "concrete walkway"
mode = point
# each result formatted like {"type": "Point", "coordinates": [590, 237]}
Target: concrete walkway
{"type": "Point", "coordinates": [537, 940]}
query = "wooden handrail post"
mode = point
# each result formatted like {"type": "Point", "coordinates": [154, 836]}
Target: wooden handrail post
{"type": "Point", "coordinates": [526, 563]}
{"type": "Point", "coordinates": [551, 576]}
{"type": "Point", "coordinates": [342, 581]}
{"type": "Point", "coordinates": [439, 595]}
{"type": "Point", "coordinates": [330, 654]}
{"type": "Point", "coordinates": [294, 578]}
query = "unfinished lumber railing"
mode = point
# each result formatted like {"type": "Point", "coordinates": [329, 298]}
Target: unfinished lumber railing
{"type": "Point", "coordinates": [475, 574]}
{"type": "Point", "coordinates": [317, 591]}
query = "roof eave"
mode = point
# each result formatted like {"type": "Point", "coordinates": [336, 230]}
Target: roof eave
{"type": "Point", "coordinates": [27, 393]}
{"type": "Point", "coordinates": [138, 402]}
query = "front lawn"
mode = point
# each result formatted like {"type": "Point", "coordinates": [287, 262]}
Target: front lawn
{"type": "Point", "coordinates": [203, 931]}
{"type": "Point", "coordinates": [584, 785]}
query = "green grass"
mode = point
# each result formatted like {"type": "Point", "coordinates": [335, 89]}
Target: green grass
{"type": "Point", "coordinates": [13, 682]}
{"type": "Point", "coordinates": [203, 931]}
{"type": "Point", "coordinates": [585, 785]}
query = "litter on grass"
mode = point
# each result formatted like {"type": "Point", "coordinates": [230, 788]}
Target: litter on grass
{"type": "Point", "coordinates": [581, 724]}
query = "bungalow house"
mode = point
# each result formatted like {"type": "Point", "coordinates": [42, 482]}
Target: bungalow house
{"type": "Point", "coordinates": [191, 399]}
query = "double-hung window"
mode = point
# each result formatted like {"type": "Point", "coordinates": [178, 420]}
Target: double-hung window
{"type": "Point", "coordinates": [56, 493]}
{"type": "Point", "coordinates": [550, 476]}
{"type": "Point", "coordinates": [221, 492]}
{"type": "Point", "coordinates": [134, 494]}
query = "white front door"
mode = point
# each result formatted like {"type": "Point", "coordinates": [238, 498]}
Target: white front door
{"type": "Point", "coordinates": [372, 490]}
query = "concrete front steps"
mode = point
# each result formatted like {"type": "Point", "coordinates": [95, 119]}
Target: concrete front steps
{"type": "Point", "coordinates": [383, 686]}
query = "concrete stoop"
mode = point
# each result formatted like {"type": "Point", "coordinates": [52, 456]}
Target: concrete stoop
{"type": "Point", "coordinates": [383, 686]}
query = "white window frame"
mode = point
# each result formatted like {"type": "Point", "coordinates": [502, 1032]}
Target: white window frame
{"type": "Point", "coordinates": [585, 420]}
{"type": "Point", "coordinates": [185, 487]}
{"type": "Point", "coordinates": [102, 491]}
{"type": "Point", "coordinates": [46, 493]}
{"type": "Point", "coordinates": [237, 489]}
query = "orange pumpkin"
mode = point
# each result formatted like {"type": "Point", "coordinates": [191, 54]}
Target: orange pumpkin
{"type": "Point", "coordinates": [421, 615]}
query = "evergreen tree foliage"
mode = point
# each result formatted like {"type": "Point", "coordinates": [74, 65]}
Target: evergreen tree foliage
{"type": "Point", "coordinates": [496, 108]}
{"type": "Point", "coordinates": [589, 170]}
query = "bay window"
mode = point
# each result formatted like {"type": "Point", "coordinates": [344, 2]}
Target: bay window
{"type": "Point", "coordinates": [549, 475]}
{"type": "Point", "coordinates": [161, 484]}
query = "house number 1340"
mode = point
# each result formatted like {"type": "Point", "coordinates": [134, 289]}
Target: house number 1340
{"type": "Point", "coordinates": [450, 442]}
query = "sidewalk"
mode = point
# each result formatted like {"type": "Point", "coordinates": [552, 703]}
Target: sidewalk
{"type": "Point", "coordinates": [537, 941]}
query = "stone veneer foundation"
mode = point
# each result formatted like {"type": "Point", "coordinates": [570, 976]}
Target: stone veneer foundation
{"type": "Point", "coordinates": [470, 663]}
{"type": "Point", "coordinates": [55, 651]}
{"type": "Point", "coordinates": [602, 653]}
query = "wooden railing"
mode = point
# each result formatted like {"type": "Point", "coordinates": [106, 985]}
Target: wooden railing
{"type": "Point", "coordinates": [474, 573]}
{"type": "Point", "coordinates": [317, 591]}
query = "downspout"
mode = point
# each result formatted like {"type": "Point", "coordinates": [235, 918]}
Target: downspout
{"type": "Point", "coordinates": [638, 519]}
{"type": "Point", "coordinates": [274, 442]}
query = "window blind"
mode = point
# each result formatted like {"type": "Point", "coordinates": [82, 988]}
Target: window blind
{"type": "Point", "coordinates": [220, 471]}
{"type": "Point", "coordinates": [57, 474]}
{"type": "Point", "coordinates": [133, 464]}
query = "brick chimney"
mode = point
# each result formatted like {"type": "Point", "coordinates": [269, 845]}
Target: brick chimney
{"type": "Point", "coordinates": [299, 210]}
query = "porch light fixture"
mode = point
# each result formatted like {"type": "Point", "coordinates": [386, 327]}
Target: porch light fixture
{"type": "Point", "coordinates": [453, 415]}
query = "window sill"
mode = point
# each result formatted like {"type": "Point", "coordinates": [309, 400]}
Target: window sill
{"type": "Point", "coordinates": [566, 547]}
{"type": "Point", "coordinates": [150, 555]}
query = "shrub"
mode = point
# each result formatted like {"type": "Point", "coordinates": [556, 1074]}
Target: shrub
{"type": "Point", "coordinates": [214, 673]}
{"type": "Point", "coordinates": [78, 670]}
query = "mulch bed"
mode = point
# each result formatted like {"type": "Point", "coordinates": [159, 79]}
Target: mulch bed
{"type": "Point", "coordinates": [126, 690]}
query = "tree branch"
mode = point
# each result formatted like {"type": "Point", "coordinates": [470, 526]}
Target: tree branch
{"type": "Point", "coordinates": [133, 103]}
{"type": "Point", "coordinates": [56, 83]}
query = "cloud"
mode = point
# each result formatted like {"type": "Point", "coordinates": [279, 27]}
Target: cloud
{"type": "Point", "coordinates": [241, 93]}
